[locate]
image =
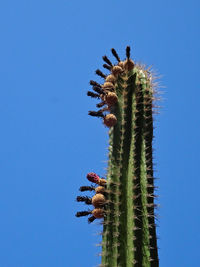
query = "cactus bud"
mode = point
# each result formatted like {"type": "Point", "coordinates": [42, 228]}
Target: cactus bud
{"type": "Point", "coordinates": [110, 120]}
{"type": "Point", "coordinates": [111, 98]}
{"type": "Point", "coordinates": [98, 200]}
{"type": "Point", "coordinates": [129, 64]}
{"type": "Point", "coordinates": [93, 177]}
{"type": "Point", "coordinates": [98, 213]}
{"type": "Point", "coordinates": [102, 182]}
{"type": "Point", "coordinates": [108, 85]}
{"type": "Point", "coordinates": [110, 78]}
{"type": "Point", "coordinates": [116, 70]}
{"type": "Point", "coordinates": [100, 189]}
{"type": "Point", "coordinates": [121, 64]}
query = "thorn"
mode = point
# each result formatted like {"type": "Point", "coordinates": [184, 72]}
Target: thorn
{"type": "Point", "coordinates": [152, 196]}
{"type": "Point", "coordinates": [152, 205]}
{"type": "Point", "coordinates": [152, 216]}
{"type": "Point", "coordinates": [135, 228]}
{"type": "Point", "coordinates": [100, 234]}
{"type": "Point", "coordinates": [100, 244]}
{"type": "Point", "coordinates": [116, 245]}
{"type": "Point", "coordinates": [116, 234]}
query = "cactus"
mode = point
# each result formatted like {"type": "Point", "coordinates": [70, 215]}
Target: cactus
{"type": "Point", "coordinates": [126, 199]}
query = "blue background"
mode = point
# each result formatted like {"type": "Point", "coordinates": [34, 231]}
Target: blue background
{"type": "Point", "coordinates": [49, 51]}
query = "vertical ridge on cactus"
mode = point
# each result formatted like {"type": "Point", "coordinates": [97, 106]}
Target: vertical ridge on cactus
{"type": "Point", "coordinates": [127, 195]}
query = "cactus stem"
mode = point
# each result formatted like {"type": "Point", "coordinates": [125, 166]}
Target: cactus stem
{"type": "Point", "coordinates": [126, 203]}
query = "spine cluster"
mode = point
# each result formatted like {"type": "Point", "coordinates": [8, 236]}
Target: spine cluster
{"type": "Point", "coordinates": [125, 200]}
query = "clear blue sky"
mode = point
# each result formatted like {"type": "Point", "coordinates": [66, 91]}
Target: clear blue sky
{"type": "Point", "coordinates": [49, 51]}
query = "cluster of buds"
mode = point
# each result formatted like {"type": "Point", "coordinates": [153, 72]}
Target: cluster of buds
{"type": "Point", "coordinates": [98, 200]}
{"type": "Point", "coordinates": [106, 91]}
{"type": "Point", "coordinates": [108, 99]}
{"type": "Point", "coordinates": [107, 94]}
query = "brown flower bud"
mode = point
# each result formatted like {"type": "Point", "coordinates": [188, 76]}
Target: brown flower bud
{"type": "Point", "coordinates": [100, 189]}
{"type": "Point", "coordinates": [111, 98]}
{"type": "Point", "coordinates": [116, 70]}
{"type": "Point", "coordinates": [98, 213]}
{"type": "Point", "coordinates": [98, 200]}
{"type": "Point", "coordinates": [121, 64]}
{"type": "Point", "coordinates": [129, 64]}
{"type": "Point", "coordinates": [102, 182]}
{"type": "Point", "coordinates": [110, 120]}
{"type": "Point", "coordinates": [108, 85]}
{"type": "Point", "coordinates": [111, 78]}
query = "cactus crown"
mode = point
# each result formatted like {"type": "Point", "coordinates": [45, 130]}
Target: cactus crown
{"type": "Point", "coordinates": [127, 202]}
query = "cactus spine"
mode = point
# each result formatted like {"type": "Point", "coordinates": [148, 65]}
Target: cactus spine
{"type": "Point", "coordinates": [129, 232]}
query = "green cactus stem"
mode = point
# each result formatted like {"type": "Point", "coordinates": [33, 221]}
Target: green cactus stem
{"type": "Point", "coordinates": [129, 231]}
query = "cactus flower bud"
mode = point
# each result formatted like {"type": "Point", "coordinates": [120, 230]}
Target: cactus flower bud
{"type": "Point", "coordinates": [110, 120]}
{"type": "Point", "coordinates": [93, 177]}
